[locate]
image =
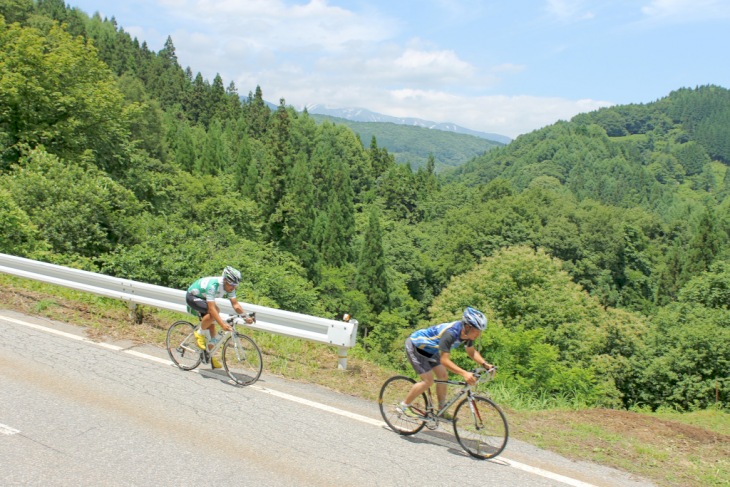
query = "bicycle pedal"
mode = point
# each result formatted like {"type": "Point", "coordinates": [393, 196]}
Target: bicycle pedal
{"type": "Point", "coordinates": [206, 357]}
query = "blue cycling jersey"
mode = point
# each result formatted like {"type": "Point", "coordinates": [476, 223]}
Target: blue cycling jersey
{"type": "Point", "coordinates": [439, 338]}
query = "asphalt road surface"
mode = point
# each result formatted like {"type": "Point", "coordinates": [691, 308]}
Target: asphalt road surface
{"type": "Point", "coordinates": [74, 412]}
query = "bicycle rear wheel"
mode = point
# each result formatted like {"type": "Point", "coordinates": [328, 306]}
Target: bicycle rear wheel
{"type": "Point", "coordinates": [480, 427]}
{"type": "Point", "coordinates": [242, 359]}
{"type": "Point", "coordinates": [394, 391]}
{"type": "Point", "coordinates": [181, 345]}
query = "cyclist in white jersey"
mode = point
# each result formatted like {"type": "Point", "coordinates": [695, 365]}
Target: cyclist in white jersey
{"type": "Point", "coordinates": [201, 298]}
{"type": "Point", "coordinates": [429, 351]}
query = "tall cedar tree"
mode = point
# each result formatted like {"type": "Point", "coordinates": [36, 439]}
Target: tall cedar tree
{"type": "Point", "coordinates": [256, 113]}
{"type": "Point", "coordinates": [372, 278]}
{"type": "Point", "coordinates": [296, 215]}
{"type": "Point", "coordinates": [278, 143]}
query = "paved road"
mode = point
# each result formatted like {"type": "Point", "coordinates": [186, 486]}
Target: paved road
{"type": "Point", "coordinates": [73, 412]}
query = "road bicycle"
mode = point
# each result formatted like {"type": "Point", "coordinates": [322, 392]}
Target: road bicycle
{"type": "Point", "coordinates": [479, 425]}
{"type": "Point", "coordinates": [240, 355]}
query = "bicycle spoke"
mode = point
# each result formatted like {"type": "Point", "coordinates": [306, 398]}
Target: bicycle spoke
{"type": "Point", "coordinates": [242, 359]}
{"type": "Point", "coordinates": [480, 427]}
{"type": "Point", "coordinates": [181, 345]}
{"type": "Point", "coordinates": [392, 393]}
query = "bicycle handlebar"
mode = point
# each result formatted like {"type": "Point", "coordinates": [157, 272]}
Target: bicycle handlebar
{"type": "Point", "coordinates": [482, 375]}
{"type": "Point", "coordinates": [485, 375]}
{"type": "Point", "coordinates": [241, 319]}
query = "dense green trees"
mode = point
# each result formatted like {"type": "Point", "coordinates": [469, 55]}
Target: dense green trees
{"type": "Point", "coordinates": [79, 211]}
{"type": "Point", "coordinates": [598, 247]}
{"type": "Point", "coordinates": [55, 92]}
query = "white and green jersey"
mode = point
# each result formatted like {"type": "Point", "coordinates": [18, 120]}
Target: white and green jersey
{"type": "Point", "coordinates": [210, 288]}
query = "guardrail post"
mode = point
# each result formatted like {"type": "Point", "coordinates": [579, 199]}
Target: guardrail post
{"type": "Point", "coordinates": [342, 358]}
{"type": "Point", "coordinates": [342, 352]}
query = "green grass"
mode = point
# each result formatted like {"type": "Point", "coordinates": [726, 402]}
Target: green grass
{"type": "Point", "coordinates": [715, 419]}
{"type": "Point", "coordinates": [44, 304]}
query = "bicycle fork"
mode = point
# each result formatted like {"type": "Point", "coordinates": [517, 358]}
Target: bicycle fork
{"type": "Point", "coordinates": [478, 424]}
{"type": "Point", "coordinates": [240, 351]}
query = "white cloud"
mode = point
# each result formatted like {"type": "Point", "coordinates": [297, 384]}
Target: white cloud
{"type": "Point", "coordinates": [568, 10]}
{"type": "Point", "coordinates": [509, 68]}
{"type": "Point", "coordinates": [436, 65]}
{"type": "Point", "coordinates": [272, 24]}
{"type": "Point", "coordinates": [681, 11]}
{"type": "Point", "coordinates": [312, 52]}
{"type": "Point", "coordinates": [506, 115]}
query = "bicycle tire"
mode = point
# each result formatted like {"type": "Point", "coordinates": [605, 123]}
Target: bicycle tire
{"type": "Point", "coordinates": [483, 432]}
{"type": "Point", "coordinates": [181, 345]}
{"type": "Point", "coordinates": [244, 364]}
{"type": "Point", "coordinates": [394, 391]}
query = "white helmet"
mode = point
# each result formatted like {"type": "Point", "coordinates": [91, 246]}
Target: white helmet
{"type": "Point", "coordinates": [232, 276]}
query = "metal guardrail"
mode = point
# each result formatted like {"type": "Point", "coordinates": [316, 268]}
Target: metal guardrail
{"type": "Point", "coordinates": [287, 323]}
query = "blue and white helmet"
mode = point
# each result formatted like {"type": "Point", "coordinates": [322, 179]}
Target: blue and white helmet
{"type": "Point", "coordinates": [475, 318]}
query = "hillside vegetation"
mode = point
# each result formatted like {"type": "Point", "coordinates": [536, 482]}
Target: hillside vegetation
{"type": "Point", "coordinates": [599, 248]}
{"type": "Point", "coordinates": [416, 145]}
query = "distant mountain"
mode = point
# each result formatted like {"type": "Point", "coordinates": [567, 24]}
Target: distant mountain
{"type": "Point", "coordinates": [411, 144]}
{"type": "Point", "coordinates": [363, 115]}
{"type": "Point", "coordinates": [409, 140]}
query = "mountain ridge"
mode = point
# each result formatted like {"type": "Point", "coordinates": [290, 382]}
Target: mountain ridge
{"type": "Point", "coordinates": [413, 145]}
{"type": "Point", "coordinates": [357, 114]}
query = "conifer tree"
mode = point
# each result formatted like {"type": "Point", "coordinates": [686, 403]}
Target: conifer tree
{"type": "Point", "coordinates": [334, 196]}
{"type": "Point", "coordinates": [239, 149]}
{"type": "Point", "coordinates": [198, 101]}
{"type": "Point", "coordinates": [704, 246]}
{"type": "Point", "coordinates": [217, 98]}
{"type": "Point", "coordinates": [184, 147]}
{"type": "Point", "coordinates": [233, 102]}
{"type": "Point", "coordinates": [295, 215]}
{"type": "Point", "coordinates": [213, 158]}
{"type": "Point", "coordinates": [166, 79]}
{"type": "Point", "coordinates": [381, 160]}
{"type": "Point", "coordinates": [371, 276]}
{"type": "Point", "coordinates": [256, 114]}
{"type": "Point", "coordinates": [334, 236]}
{"type": "Point", "coordinates": [279, 147]}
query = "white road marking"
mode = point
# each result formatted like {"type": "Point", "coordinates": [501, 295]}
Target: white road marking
{"type": "Point", "coordinates": [149, 357]}
{"type": "Point", "coordinates": [358, 417]}
{"type": "Point", "coordinates": [7, 430]}
{"type": "Point", "coordinates": [48, 330]}
{"type": "Point", "coordinates": [318, 405]}
{"type": "Point", "coordinates": [545, 473]}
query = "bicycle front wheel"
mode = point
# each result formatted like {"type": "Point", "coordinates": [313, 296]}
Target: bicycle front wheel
{"type": "Point", "coordinates": [181, 345]}
{"type": "Point", "coordinates": [480, 427]}
{"type": "Point", "coordinates": [394, 391]}
{"type": "Point", "coordinates": [242, 359]}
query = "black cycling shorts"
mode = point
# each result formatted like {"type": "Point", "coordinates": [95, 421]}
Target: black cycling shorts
{"type": "Point", "coordinates": [196, 303]}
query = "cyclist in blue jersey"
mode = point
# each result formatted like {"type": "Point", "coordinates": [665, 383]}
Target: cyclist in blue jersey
{"type": "Point", "coordinates": [429, 351]}
{"type": "Point", "coordinates": [201, 298]}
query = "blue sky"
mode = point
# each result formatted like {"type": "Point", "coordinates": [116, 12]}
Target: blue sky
{"type": "Point", "coordinates": [506, 67]}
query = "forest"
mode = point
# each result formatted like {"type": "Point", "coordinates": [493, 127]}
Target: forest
{"type": "Point", "coordinates": [598, 248]}
{"type": "Point", "coordinates": [416, 145]}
